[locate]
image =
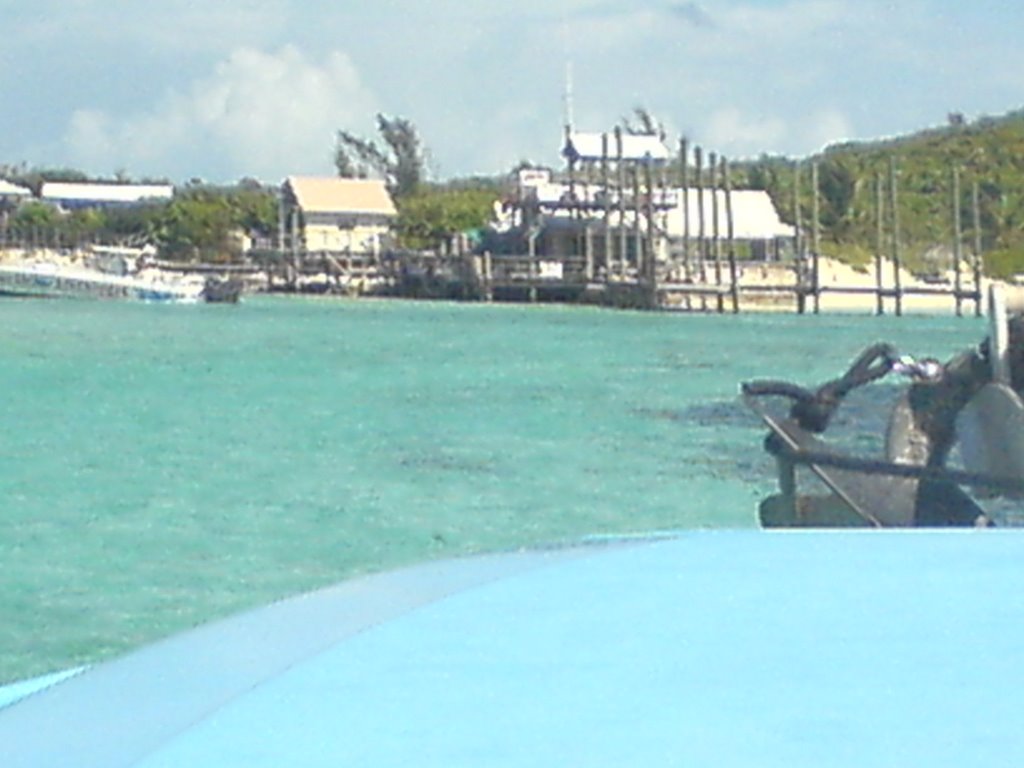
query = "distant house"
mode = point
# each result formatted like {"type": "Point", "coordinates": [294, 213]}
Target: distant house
{"type": "Point", "coordinates": [72, 195]}
{"type": "Point", "coordinates": [754, 217]}
{"type": "Point", "coordinates": [13, 193]}
{"type": "Point", "coordinates": [336, 215]}
{"type": "Point", "coordinates": [569, 211]}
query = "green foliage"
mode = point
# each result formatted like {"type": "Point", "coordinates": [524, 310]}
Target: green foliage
{"type": "Point", "coordinates": [837, 185]}
{"type": "Point", "coordinates": [254, 207]}
{"type": "Point", "coordinates": [196, 226]}
{"type": "Point", "coordinates": [34, 215]}
{"type": "Point", "coordinates": [430, 217]}
{"type": "Point", "coordinates": [199, 223]}
{"type": "Point", "coordinates": [988, 153]}
{"type": "Point", "coordinates": [1004, 263]}
{"type": "Point", "coordinates": [202, 223]}
{"type": "Point", "coordinates": [401, 161]}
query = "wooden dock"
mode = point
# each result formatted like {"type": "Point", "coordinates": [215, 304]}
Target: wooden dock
{"type": "Point", "coordinates": [609, 235]}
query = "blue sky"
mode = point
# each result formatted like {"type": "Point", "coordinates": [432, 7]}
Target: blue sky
{"type": "Point", "coordinates": [224, 89]}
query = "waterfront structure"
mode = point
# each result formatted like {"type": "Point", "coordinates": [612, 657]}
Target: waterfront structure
{"type": "Point", "coordinates": [332, 215]}
{"type": "Point", "coordinates": [13, 193]}
{"type": "Point", "coordinates": [564, 213]}
{"type": "Point", "coordinates": [755, 219]}
{"type": "Point", "coordinates": [72, 195]}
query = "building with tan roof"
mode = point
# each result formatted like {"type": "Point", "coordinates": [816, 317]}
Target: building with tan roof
{"type": "Point", "coordinates": [337, 215]}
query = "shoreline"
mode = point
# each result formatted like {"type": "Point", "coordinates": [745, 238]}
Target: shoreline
{"type": "Point", "coordinates": [764, 287]}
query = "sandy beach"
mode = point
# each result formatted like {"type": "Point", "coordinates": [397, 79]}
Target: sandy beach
{"type": "Point", "coordinates": [847, 289]}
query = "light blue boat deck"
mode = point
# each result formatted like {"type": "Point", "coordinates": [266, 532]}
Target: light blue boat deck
{"type": "Point", "coordinates": [738, 648]}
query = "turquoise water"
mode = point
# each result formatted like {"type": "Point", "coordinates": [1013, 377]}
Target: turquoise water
{"type": "Point", "coordinates": [162, 466]}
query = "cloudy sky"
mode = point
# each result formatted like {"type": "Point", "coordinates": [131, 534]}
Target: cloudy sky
{"type": "Point", "coordinates": [222, 89]}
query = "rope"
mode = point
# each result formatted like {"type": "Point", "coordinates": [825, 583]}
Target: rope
{"type": "Point", "coordinates": [813, 410]}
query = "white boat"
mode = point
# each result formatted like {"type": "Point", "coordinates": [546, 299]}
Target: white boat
{"type": "Point", "coordinates": [73, 280]}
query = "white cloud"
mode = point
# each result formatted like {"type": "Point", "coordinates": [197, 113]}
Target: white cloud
{"type": "Point", "coordinates": [795, 20]}
{"type": "Point", "coordinates": [736, 133]}
{"type": "Point", "coordinates": [742, 134]}
{"type": "Point", "coordinates": [260, 114]}
{"type": "Point", "coordinates": [185, 88]}
{"type": "Point", "coordinates": [181, 26]}
{"type": "Point", "coordinates": [824, 127]}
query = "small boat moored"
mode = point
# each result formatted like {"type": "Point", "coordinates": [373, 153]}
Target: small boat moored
{"type": "Point", "coordinates": [104, 274]}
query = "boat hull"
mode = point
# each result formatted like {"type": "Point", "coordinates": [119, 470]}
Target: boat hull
{"type": "Point", "coordinates": [49, 281]}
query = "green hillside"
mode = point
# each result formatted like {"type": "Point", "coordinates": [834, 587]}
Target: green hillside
{"type": "Point", "coordinates": [989, 155]}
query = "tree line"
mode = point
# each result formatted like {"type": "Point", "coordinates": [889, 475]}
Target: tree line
{"type": "Point", "coordinates": [200, 223]}
{"type": "Point", "coordinates": [986, 156]}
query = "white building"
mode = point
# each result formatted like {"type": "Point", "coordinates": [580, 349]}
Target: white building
{"type": "Point", "coordinates": [678, 213]}
{"type": "Point", "coordinates": [753, 214]}
{"type": "Point", "coordinates": [337, 215]}
{"type": "Point", "coordinates": [13, 193]}
{"type": "Point", "coordinates": [70, 195]}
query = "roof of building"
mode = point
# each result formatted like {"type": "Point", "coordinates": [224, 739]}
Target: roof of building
{"type": "Point", "coordinates": [595, 146]}
{"type": "Point", "coordinates": [105, 193]}
{"type": "Point", "coordinates": [7, 189]}
{"type": "Point", "coordinates": [333, 195]}
{"type": "Point", "coordinates": [753, 214]}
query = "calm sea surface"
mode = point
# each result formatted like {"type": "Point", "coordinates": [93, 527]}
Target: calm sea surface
{"type": "Point", "coordinates": [163, 466]}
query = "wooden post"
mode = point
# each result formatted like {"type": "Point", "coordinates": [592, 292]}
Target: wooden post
{"type": "Point", "coordinates": [684, 166]}
{"type": "Point", "coordinates": [734, 282]}
{"type": "Point", "coordinates": [698, 156]}
{"type": "Point", "coordinates": [879, 243]}
{"type": "Point", "coordinates": [798, 241]}
{"type": "Point", "coordinates": [957, 243]}
{"type": "Point", "coordinates": [488, 277]}
{"type": "Point", "coordinates": [605, 230]}
{"type": "Point", "coordinates": [815, 238]}
{"type": "Point", "coordinates": [651, 263]}
{"type": "Point", "coordinates": [588, 251]}
{"type": "Point", "coordinates": [638, 243]}
{"type": "Point", "coordinates": [531, 267]}
{"type": "Point", "coordinates": [976, 208]}
{"type": "Point", "coordinates": [293, 279]}
{"type": "Point", "coordinates": [895, 213]}
{"type": "Point", "coordinates": [620, 171]}
{"type": "Point", "coordinates": [716, 241]}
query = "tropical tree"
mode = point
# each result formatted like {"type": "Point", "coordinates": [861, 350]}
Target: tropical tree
{"type": "Point", "coordinates": [400, 161]}
{"type": "Point", "coordinates": [197, 226]}
{"type": "Point", "coordinates": [433, 215]}
{"type": "Point", "coordinates": [643, 123]}
{"type": "Point", "coordinates": [836, 186]}
{"type": "Point", "coordinates": [203, 223]}
{"type": "Point", "coordinates": [35, 219]}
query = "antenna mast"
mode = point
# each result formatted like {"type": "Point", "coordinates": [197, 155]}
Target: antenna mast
{"type": "Point", "coordinates": [569, 118]}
